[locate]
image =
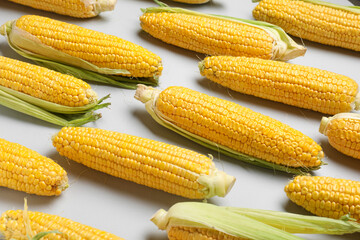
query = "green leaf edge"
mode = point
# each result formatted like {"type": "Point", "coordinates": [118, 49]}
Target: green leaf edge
{"type": "Point", "coordinates": [353, 9]}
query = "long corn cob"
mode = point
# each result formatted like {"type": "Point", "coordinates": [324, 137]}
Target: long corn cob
{"type": "Point", "coordinates": [82, 52]}
{"type": "Point", "coordinates": [25, 170]}
{"type": "Point", "coordinates": [192, 1]}
{"type": "Point", "coordinates": [218, 35]}
{"type": "Point", "coordinates": [343, 132]}
{"type": "Point", "coordinates": [234, 130]}
{"type": "Point", "coordinates": [74, 8]}
{"type": "Point", "coordinates": [147, 162]}
{"type": "Point", "coordinates": [315, 20]}
{"type": "Point", "coordinates": [22, 224]}
{"type": "Point", "coordinates": [292, 84]}
{"type": "Point", "coordinates": [44, 94]}
{"type": "Point", "coordinates": [326, 196]}
{"type": "Point", "coordinates": [192, 220]}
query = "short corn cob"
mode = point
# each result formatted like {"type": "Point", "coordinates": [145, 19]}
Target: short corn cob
{"type": "Point", "coordinates": [82, 52]}
{"type": "Point", "coordinates": [14, 225]}
{"type": "Point", "coordinates": [48, 95]}
{"type": "Point", "coordinates": [326, 196]}
{"type": "Point", "coordinates": [192, 1]}
{"type": "Point", "coordinates": [74, 8]}
{"type": "Point", "coordinates": [292, 84]}
{"type": "Point", "coordinates": [314, 20]}
{"type": "Point", "coordinates": [234, 130]}
{"type": "Point", "coordinates": [343, 132]}
{"type": "Point", "coordinates": [147, 162]}
{"type": "Point", "coordinates": [25, 170]}
{"type": "Point", "coordinates": [215, 35]}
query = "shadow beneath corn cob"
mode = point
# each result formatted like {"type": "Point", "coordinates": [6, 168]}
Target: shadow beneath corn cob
{"type": "Point", "coordinates": [355, 2]}
{"type": "Point", "coordinates": [213, 3]}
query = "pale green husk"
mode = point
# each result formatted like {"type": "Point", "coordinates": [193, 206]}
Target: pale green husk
{"type": "Point", "coordinates": [250, 223]}
{"type": "Point", "coordinates": [148, 95]}
{"type": "Point", "coordinates": [23, 43]}
{"type": "Point", "coordinates": [285, 48]}
{"type": "Point", "coordinates": [353, 9]}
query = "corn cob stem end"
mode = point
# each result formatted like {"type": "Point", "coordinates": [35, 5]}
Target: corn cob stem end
{"type": "Point", "coordinates": [104, 5]}
{"type": "Point", "coordinates": [5, 27]}
{"type": "Point", "coordinates": [160, 219]}
{"type": "Point", "coordinates": [357, 102]}
{"type": "Point", "coordinates": [217, 184]}
{"type": "Point", "coordinates": [144, 93]}
{"type": "Point", "coordinates": [323, 125]}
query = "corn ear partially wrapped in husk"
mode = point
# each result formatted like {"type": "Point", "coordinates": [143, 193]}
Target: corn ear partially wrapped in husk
{"type": "Point", "coordinates": [243, 223]}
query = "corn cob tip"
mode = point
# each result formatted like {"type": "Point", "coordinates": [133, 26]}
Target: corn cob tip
{"type": "Point", "coordinates": [160, 219]}
{"type": "Point", "coordinates": [357, 102]}
{"type": "Point", "coordinates": [323, 125]}
{"type": "Point", "coordinates": [144, 93]}
{"type": "Point", "coordinates": [218, 184]}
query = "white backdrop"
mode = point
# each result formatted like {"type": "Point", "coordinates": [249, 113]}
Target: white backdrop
{"type": "Point", "coordinates": [124, 208]}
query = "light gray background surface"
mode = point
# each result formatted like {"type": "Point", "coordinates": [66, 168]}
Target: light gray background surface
{"type": "Point", "coordinates": [124, 208]}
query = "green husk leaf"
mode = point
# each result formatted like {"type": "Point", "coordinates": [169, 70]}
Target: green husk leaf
{"type": "Point", "coordinates": [285, 48]}
{"type": "Point", "coordinates": [204, 215]}
{"type": "Point", "coordinates": [353, 9]}
{"type": "Point", "coordinates": [149, 95]}
{"type": "Point", "coordinates": [72, 120]}
{"type": "Point", "coordinates": [58, 60]}
{"type": "Point", "coordinates": [297, 223]}
{"type": "Point", "coordinates": [43, 234]}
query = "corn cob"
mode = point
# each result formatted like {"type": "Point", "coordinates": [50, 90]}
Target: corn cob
{"type": "Point", "coordinates": [25, 170]}
{"type": "Point", "coordinates": [82, 52]}
{"type": "Point", "coordinates": [144, 161]}
{"type": "Point", "coordinates": [343, 133]}
{"type": "Point", "coordinates": [326, 196]}
{"type": "Point", "coordinates": [192, 220]}
{"type": "Point", "coordinates": [232, 129]}
{"type": "Point", "coordinates": [315, 20]}
{"type": "Point", "coordinates": [292, 84]}
{"type": "Point", "coordinates": [44, 94]}
{"type": "Point", "coordinates": [218, 35]}
{"type": "Point", "coordinates": [74, 8]}
{"type": "Point", "coordinates": [192, 1]}
{"type": "Point", "coordinates": [19, 224]}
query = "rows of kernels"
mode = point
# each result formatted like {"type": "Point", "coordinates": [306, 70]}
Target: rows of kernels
{"type": "Point", "coordinates": [45, 84]}
{"type": "Point", "coordinates": [98, 48]}
{"type": "Point", "coordinates": [181, 233]}
{"type": "Point", "coordinates": [312, 21]}
{"type": "Point", "coordinates": [208, 35]}
{"type": "Point", "coordinates": [293, 84]}
{"type": "Point", "coordinates": [75, 8]}
{"type": "Point", "coordinates": [326, 196]}
{"type": "Point", "coordinates": [12, 225]}
{"type": "Point", "coordinates": [344, 135]}
{"type": "Point", "coordinates": [26, 170]}
{"type": "Point", "coordinates": [238, 128]}
{"type": "Point", "coordinates": [144, 161]}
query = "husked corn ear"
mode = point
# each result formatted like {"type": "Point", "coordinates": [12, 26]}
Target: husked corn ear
{"type": "Point", "coordinates": [74, 8]}
{"type": "Point", "coordinates": [154, 164]}
{"type": "Point", "coordinates": [314, 20]}
{"type": "Point", "coordinates": [25, 170]}
{"type": "Point", "coordinates": [326, 196]}
{"type": "Point", "coordinates": [343, 132]}
{"type": "Point", "coordinates": [192, 1]}
{"type": "Point", "coordinates": [238, 131]}
{"type": "Point", "coordinates": [292, 84]}
{"type": "Point", "coordinates": [45, 84]}
{"type": "Point", "coordinates": [184, 233]}
{"type": "Point", "coordinates": [97, 48]}
{"type": "Point", "coordinates": [13, 226]}
{"type": "Point", "coordinates": [214, 35]}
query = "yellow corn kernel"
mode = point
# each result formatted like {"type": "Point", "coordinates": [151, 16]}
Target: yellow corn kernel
{"type": "Point", "coordinates": [215, 35]}
{"type": "Point", "coordinates": [74, 8]}
{"type": "Point", "coordinates": [343, 132]}
{"type": "Point", "coordinates": [45, 84]}
{"type": "Point", "coordinates": [100, 49]}
{"type": "Point", "coordinates": [192, 1]}
{"type": "Point", "coordinates": [317, 21]}
{"type": "Point", "coordinates": [292, 84]}
{"type": "Point", "coordinates": [183, 233]}
{"type": "Point", "coordinates": [12, 226]}
{"type": "Point", "coordinates": [326, 196]}
{"type": "Point", "coordinates": [237, 130]}
{"type": "Point", "coordinates": [25, 170]}
{"type": "Point", "coordinates": [154, 164]}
